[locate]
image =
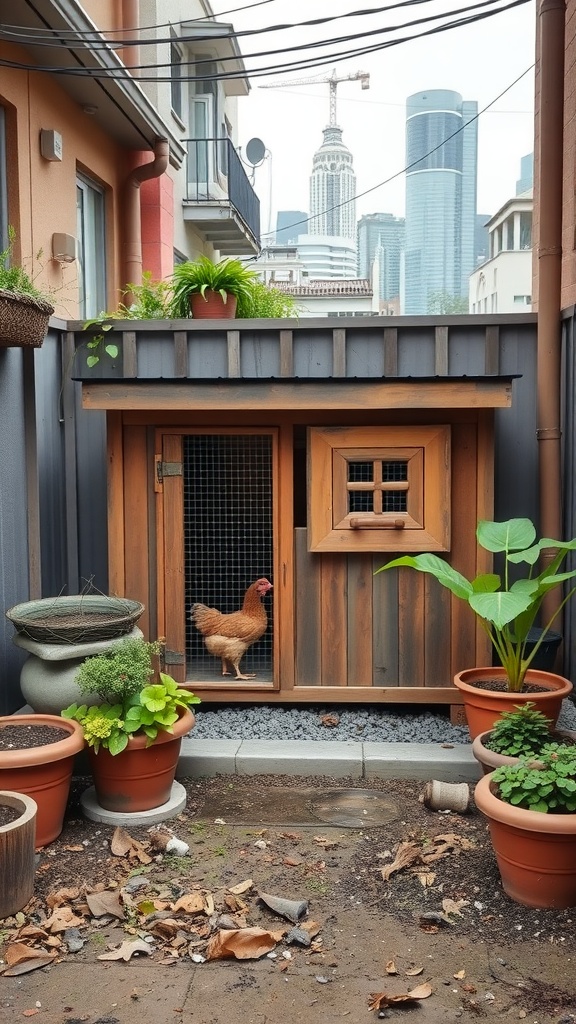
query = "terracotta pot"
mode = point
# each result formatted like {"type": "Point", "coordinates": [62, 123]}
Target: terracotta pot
{"type": "Point", "coordinates": [490, 760]}
{"type": "Point", "coordinates": [17, 844]}
{"type": "Point", "coordinates": [484, 707]}
{"type": "Point", "coordinates": [43, 773]}
{"type": "Point", "coordinates": [141, 777]}
{"type": "Point", "coordinates": [212, 306]}
{"type": "Point", "coordinates": [536, 853]}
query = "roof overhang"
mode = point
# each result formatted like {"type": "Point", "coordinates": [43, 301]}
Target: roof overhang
{"type": "Point", "coordinates": [245, 395]}
{"type": "Point", "coordinates": [118, 104]}
{"type": "Point", "coordinates": [215, 39]}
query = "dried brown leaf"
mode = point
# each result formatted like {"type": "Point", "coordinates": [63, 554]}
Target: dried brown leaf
{"type": "Point", "coordinates": [242, 943]}
{"type": "Point", "coordinates": [123, 845]}
{"type": "Point", "coordinates": [329, 720]}
{"type": "Point", "coordinates": [391, 968]}
{"type": "Point", "coordinates": [127, 950]}
{"type": "Point", "coordinates": [426, 878]}
{"type": "Point", "coordinates": [380, 1000]}
{"type": "Point", "coordinates": [56, 899]}
{"type": "Point", "coordinates": [105, 903]}
{"type": "Point", "coordinates": [191, 903]}
{"type": "Point", "coordinates": [414, 971]}
{"type": "Point", "coordinates": [61, 919]}
{"type": "Point", "coordinates": [453, 906]}
{"type": "Point", "coordinates": [406, 854]}
{"type": "Point", "coordinates": [460, 974]}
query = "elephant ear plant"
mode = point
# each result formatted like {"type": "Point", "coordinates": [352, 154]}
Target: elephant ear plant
{"type": "Point", "coordinates": [131, 703]}
{"type": "Point", "coordinates": [506, 608]}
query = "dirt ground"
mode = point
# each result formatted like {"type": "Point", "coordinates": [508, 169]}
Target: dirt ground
{"type": "Point", "coordinates": [442, 925]}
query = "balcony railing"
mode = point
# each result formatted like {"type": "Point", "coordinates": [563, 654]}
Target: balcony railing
{"type": "Point", "coordinates": [215, 174]}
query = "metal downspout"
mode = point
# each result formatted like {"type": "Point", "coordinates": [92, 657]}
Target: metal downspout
{"type": "Point", "coordinates": [130, 22]}
{"type": "Point", "coordinates": [550, 162]}
{"type": "Point", "coordinates": [132, 261]}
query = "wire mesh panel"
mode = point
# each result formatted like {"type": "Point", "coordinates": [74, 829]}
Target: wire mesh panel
{"type": "Point", "coordinates": [228, 538]}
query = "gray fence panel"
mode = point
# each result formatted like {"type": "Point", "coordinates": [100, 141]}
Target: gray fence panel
{"type": "Point", "coordinates": [14, 577]}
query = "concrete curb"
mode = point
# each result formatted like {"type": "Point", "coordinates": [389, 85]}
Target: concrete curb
{"type": "Point", "coordinates": [445, 762]}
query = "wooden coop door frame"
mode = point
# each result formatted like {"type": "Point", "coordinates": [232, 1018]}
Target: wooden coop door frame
{"type": "Point", "coordinates": [171, 607]}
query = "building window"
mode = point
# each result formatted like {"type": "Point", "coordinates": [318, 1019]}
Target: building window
{"type": "Point", "coordinates": [176, 60]}
{"type": "Point", "coordinates": [379, 489]}
{"type": "Point", "coordinates": [91, 248]}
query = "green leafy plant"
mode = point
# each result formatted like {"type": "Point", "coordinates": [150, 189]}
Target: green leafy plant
{"type": "Point", "coordinates": [506, 609]}
{"type": "Point", "coordinates": [151, 301]}
{"type": "Point", "coordinates": [130, 702]}
{"type": "Point", "coordinates": [228, 277]}
{"type": "Point", "coordinates": [13, 276]}
{"type": "Point", "coordinates": [265, 301]}
{"type": "Point", "coordinates": [520, 733]}
{"type": "Point", "coordinates": [547, 785]}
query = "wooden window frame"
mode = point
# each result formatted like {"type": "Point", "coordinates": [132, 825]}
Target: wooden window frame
{"type": "Point", "coordinates": [425, 526]}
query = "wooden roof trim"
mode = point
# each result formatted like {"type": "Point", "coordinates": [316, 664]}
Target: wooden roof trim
{"type": "Point", "coordinates": [482, 393]}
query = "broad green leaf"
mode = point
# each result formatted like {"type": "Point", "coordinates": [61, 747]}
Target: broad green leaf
{"type": "Point", "coordinates": [117, 743]}
{"type": "Point", "coordinates": [92, 361]}
{"type": "Point", "coordinates": [500, 608]}
{"type": "Point", "coordinates": [112, 350]}
{"type": "Point", "coordinates": [530, 555]}
{"type": "Point", "coordinates": [436, 567]}
{"type": "Point", "coordinates": [487, 583]}
{"type": "Point", "coordinates": [513, 535]}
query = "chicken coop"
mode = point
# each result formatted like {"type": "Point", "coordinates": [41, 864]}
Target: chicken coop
{"type": "Point", "coordinates": [308, 455]}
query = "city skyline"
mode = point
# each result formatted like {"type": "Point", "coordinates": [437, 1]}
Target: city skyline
{"type": "Point", "coordinates": [290, 121]}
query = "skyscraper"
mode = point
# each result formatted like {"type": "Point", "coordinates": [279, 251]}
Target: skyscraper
{"type": "Point", "coordinates": [382, 234]}
{"type": "Point", "coordinates": [290, 224]}
{"type": "Point", "coordinates": [441, 156]}
{"type": "Point", "coordinates": [332, 188]}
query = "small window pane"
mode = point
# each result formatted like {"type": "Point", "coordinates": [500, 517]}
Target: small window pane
{"type": "Point", "coordinates": [361, 501]}
{"type": "Point", "coordinates": [395, 501]}
{"type": "Point", "coordinates": [360, 472]}
{"type": "Point", "coordinates": [394, 471]}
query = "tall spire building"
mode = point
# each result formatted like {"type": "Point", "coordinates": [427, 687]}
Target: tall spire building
{"type": "Point", "coordinates": [441, 156]}
{"type": "Point", "coordinates": [333, 188]}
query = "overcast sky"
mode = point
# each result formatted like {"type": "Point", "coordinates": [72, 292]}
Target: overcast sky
{"type": "Point", "coordinates": [479, 61]}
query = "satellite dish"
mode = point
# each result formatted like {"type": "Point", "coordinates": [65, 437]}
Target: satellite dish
{"type": "Point", "coordinates": [255, 152]}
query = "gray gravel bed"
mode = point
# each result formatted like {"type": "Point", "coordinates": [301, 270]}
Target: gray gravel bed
{"type": "Point", "coordinates": [358, 724]}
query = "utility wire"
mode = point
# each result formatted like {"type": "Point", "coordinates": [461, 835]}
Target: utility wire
{"type": "Point", "coordinates": [16, 34]}
{"type": "Point", "coordinates": [409, 166]}
{"type": "Point", "coordinates": [123, 74]}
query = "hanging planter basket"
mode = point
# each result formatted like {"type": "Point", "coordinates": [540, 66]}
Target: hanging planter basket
{"type": "Point", "coordinates": [23, 320]}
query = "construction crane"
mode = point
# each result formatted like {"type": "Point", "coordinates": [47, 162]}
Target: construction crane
{"type": "Point", "coordinates": [358, 76]}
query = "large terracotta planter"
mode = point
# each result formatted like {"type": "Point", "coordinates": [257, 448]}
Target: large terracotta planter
{"type": "Point", "coordinates": [17, 844]}
{"type": "Point", "coordinates": [484, 707]}
{"type": "Point", "coordinates": [211, 306]}
{"type": "Point", "coordinates": [536, 853]}
{"type": "Point", "coordinates": [141, 777]}
{"type": "Point", "coordinates": [490, 760]}
{"type": "Point", "coordinates": [43, 773]}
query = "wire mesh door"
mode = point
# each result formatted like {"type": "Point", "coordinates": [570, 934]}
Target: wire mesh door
{"type": "Point", "coordinates": [228, 539]}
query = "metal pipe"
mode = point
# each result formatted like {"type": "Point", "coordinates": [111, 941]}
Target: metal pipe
{"type": "Point", "coordinates": [549, 251]}
{"type": "Point", "coordinates": [132, 261]}
{"type": "Point", "coordinates": [130, 23]}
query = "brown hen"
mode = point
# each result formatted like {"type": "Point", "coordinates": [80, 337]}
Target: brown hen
{"type": "Point", "coordinates": [228, 636]}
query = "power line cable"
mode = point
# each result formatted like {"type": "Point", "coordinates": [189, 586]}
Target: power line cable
{"type": "Point", "coordinates": [409, 166]}
{"type": "Point", "coordinates": [123, 74]}
{"type": "Point", "coordinates": [16, 34]}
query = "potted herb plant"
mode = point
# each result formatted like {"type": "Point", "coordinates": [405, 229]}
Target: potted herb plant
{"type": "Point", "coordinates": [24, 309]}
{"type": "Point", "coordinates": [507, 608]}
{"type": "Point", "coordinates": [209, 290]}
{"type": "Point", "coordinates": [134, 734]}
{"type": "Point", "coordinates": [523, 732]}
{"type": "Point", "coordinates": [36, 759]}
{"type": "Point", "coordinates": [531, 812]}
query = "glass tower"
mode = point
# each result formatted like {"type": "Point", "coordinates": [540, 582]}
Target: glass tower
{"type": "Point", "coordinates": [441, 157]}
{"type": "Point", "coordinates": [382, 234]}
